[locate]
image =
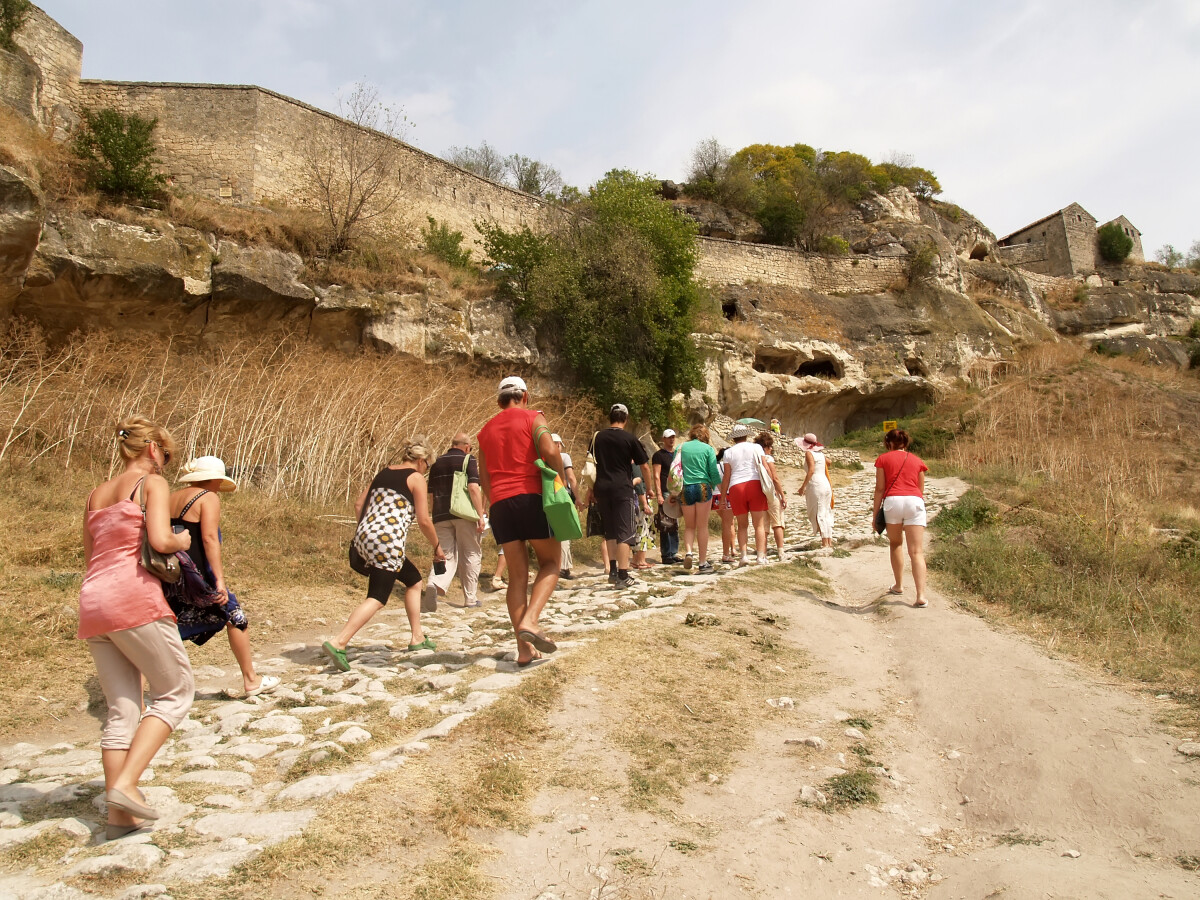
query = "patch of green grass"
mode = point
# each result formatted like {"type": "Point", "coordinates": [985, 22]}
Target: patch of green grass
{"type": "Point", "coordinates": [858, 722]}
{"type": "Point", "coordinates": [627, 860]}
{"type": "Point", "coordinates": [973, 510]}
{"type": "Point", "coordinates": [841, 553]}
{"type": "Point", "coordinates": [700, 620]}
{"type": "Point", "coordinates": [683, 846]}
{"type": "Point", "coordinates": [849, 789]}
{"type": "Point", "coordinates": [1188, 863]}
{"type": "Point", "coordinates": [48, 847]}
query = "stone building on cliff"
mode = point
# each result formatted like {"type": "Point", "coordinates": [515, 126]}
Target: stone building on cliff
{"type": "Point", "coordinates": [1063, 243]}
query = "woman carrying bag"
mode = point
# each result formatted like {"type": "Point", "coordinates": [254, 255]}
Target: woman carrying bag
{"type": "Point", "coordinates": [900, 497]}
{"type": "Point", "coordinates": [386, 510]}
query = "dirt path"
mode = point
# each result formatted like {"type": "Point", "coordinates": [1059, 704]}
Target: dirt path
{"type": "Point", "coordinates": [1008, 774]}
{"type": "Point", "coordinates": [999, 771]}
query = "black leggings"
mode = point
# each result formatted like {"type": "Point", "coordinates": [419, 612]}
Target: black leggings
{"type": "Point", "coordinates": [380, 581]}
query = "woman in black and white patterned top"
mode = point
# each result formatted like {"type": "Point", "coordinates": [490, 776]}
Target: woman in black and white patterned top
{"type": "Point", "coordinates": [386, 510]}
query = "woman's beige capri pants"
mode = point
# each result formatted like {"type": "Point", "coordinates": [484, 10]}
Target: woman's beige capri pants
{"type": "Point", "coordinates": [122, 658]}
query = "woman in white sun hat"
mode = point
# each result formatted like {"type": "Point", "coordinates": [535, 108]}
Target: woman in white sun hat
{"type": "Point", "coordinates": [816, 489]}
{"type": "Point", "coordinates": [196, 509]}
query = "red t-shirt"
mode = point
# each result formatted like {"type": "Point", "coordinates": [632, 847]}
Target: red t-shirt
{"type": "Point", "coordinates": [509, 454]}
{"type": "Point", "coordinates": [906, 483]}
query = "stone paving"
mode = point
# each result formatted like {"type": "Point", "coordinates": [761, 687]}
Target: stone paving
{"type": "Point", "coordinates": [238, 776]}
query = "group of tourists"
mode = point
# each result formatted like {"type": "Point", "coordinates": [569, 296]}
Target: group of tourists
{"type": "Point", "coordinates": [155, 575]}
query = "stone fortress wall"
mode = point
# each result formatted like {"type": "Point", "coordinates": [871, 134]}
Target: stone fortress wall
{"type": "Point", "coordinates": [734, 262]}
{"type": "Point", "coordinates": [41, 79]}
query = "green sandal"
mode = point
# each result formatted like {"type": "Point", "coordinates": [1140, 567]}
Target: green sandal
{"type": "Point", "coordinates": [337, 656]}
{"type": "Point", "coordinates": [426, 644]}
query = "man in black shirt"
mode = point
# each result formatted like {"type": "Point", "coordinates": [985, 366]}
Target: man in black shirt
{"type": "Point", "coordinates": [617, 452]}
{"type": "Point", "coordinates": [460, 538]}
{"type": "Point", "coordinates": [668, 541]}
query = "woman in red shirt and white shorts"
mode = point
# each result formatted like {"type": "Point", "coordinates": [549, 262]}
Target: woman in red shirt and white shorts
{"type": "Point", "coordinates": [900, 488]}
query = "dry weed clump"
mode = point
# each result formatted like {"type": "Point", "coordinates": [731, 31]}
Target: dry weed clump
{"type": "Point", "coordinates": [1091, 462]}
{"type": "Point", "coordinates": [290, 418]}
{"type": "Point", "coordinates": [30, 150]}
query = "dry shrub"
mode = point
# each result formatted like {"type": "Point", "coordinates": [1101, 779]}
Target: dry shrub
{"type": "Point", "coordinates": [28, 149]}
{"type": "Point", "coordinates": [1092, 462]}
{"type": "Point", "coordinates": [289, 417]}
{"type": "Point", "coordinates": [285, 227]}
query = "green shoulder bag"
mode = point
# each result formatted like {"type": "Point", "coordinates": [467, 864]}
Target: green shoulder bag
{"type": "Point", "coordinates": [461, 506]}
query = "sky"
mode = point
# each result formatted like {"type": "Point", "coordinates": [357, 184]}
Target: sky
{"type": "Point", "coordinates": [1019, 107]}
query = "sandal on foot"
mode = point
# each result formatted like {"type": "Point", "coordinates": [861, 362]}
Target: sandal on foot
{"type": "Point", "coordinates": [426, 644]}
{"type": "Point", "coordinates": [920, 604]}
{"type": "Point", "coordinates": [895, 593]}
{"type": "Point", "coordinates": [528, 662]}
{"type": "Point", "coordinates": [540, 641]}
{"type": "Point", "coordinates": [337, 656]}
{"type": "Point", "coordinates": [133, 807]}
{"type": "Point", "coordinates": [265, 686]}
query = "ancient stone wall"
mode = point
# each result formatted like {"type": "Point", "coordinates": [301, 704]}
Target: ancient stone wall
{"type": "Point", "coordinates": [1023, 254]}
{"type": "Point", "coordinates": [1079, 236]}
{"type": "Point", "coordinates": [58, 57]}
{"type": "Point", "coordinates": [18, 84]}
{"type": "Point", "coordinates": [205, 133]}
{"type": "Point", "coordinates": [733, 262]}
{"type": "Point", "coordinates": [431, 186]}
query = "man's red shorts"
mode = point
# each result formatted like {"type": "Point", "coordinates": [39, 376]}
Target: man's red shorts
{"type": "Point", "coordinates": [747, 497]}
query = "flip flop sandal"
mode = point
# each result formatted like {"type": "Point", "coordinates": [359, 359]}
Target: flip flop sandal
{"type": "Point", "coordinates": [528, 662]}
{"type": "Point", "coordinates": [268, 684]}
{"type": "Point", "coordinates": [920, 604]}
{"type": "Point", "coordinates": [426, 644]}
{"type": "Point", "coordinates": [540, 641]}
{"type": "Point", "coordinates": [895, 593]}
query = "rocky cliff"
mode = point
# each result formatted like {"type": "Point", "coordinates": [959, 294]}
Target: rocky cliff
{"type": "Point", "coordinates": [825, 344]}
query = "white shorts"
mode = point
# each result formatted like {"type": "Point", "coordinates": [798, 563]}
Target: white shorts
{"type": "Point", "coordinates": [904, 510]}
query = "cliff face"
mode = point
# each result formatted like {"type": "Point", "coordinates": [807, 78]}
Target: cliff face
{"type": "Point", "coordinates": [824, 343]}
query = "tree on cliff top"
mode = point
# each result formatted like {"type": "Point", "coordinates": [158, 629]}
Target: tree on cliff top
{"type": "Point", "coordinates": [13, 14]}
{"type": "Point", "coordinates": [613, 288]}
{"type": "Point", "coordinates": [354, 173]}
{"type": "Point", "coordinates": [525, 174]}
{"type": "Point", "coordinates": [1115, 245]}
{"type": "Point", "coordinates": [118, 154]}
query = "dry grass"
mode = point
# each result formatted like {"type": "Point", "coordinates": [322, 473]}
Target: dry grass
{"type": "Point", "coordinates": [29, 150]}
{"type": "Point", "coordinates": [1088, 460]}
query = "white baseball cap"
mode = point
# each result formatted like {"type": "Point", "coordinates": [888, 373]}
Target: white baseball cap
{"type": "Point", "coordinates": [512, 383]}
{"type": "Point", "coordinates": [670, 432]}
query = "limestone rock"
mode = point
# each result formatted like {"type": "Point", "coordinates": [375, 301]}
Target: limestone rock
{"type": "Point", "coordinates": [21, 210]}
{"type": "Point", "coordinates": [265, 827]}
{"type": "Point", "coordinates": [124, 857]}
{"type": "Point", "coordinates": [96, 273]}
{"type": "Point", "coordinates": [354, 735]}
{"type": "Point", "coordinates": [1189, 748]}
{"type": "Point", "coordinates": [219, 778]}
{"type": "Point", "coordinates": [277, 725]}
{"type": "Point", "coordinates": [259, 284]}
{"type": "Point", "coordinates": [811, 796]}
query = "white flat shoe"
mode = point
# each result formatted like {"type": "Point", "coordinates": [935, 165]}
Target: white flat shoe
{"type": "Point", "coordinates": [268, 684]}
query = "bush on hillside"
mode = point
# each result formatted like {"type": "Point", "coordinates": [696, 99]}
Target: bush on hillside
{"type": "Point", "coordinates": [1114, 244]}
{"type": "Point", "coordinates": [614, 290]}
{"type": "Point", "coordinates": [12, 16]}
{"type": "Point", "coordinates": [922, 261]}
{"type": "Point", "coordinates": [833, 244]}
{"type": "Point", "coordinates": [118, 154]}
{"type": "Point", "coordinates": [791, 191]}
{"type": "Point", "coordinates": [446, 244]}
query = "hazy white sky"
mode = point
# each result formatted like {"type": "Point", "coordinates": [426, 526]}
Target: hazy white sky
{"type": "Point", "coordinates": [1019, 107]}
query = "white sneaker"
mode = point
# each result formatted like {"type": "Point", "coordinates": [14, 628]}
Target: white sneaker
{"type": "Point", "coordinates": [744, 561]}
{"type": "Point", "coordinates": [762, 560]}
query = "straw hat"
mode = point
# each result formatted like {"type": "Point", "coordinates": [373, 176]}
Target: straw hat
{"type": "Point", "coordinates": [207, 468]}
{"type": "Point", "coordinates": [809, 442]}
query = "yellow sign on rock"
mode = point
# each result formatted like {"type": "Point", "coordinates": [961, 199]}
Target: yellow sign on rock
{"type": "Point", "coordinates": [890, 424]}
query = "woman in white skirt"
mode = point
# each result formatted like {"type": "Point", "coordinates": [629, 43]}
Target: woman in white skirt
{"type": "Point", "coordinates": [817, 491]}
{"type": "Point", "coordinates": [776, 499]}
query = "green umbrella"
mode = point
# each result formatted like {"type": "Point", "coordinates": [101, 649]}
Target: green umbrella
{"type": "Point", "coordinates": [752, 422]}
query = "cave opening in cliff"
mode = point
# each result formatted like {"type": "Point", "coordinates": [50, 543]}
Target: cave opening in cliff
{"type": "Point", "coordinates": [979, 251]}
{"type": "Point", "coordinates": [821, 367]}
{"type": "Point", "coordinates": [914, 366]}
{"type": "Point", "coordinates": [729, 309]}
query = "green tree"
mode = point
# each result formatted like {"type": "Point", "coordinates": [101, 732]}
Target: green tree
{"type": "Point", "coordinates": [13, 14]}
{"type": "Point", "coordinates": [533, 176]}
{"type": "Point", "coordinates": [445, 243]}
{"type": "Point", "coordinates": [1113, 242]}
{"type": "Point", "coordinates": [484, 160]}
{"type": "Point", "coordinates": [613, 288]}
{"type": "Point", "coordinates": [118, 154]}
{"type": "Point", "coordinates": [1168, 256]}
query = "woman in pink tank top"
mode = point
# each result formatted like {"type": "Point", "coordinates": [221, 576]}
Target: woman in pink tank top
{"type": "Point", "coordinates": [126, 621]}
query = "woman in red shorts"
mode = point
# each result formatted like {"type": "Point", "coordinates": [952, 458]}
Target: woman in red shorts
{"type": "Point", "coordinates": [509, 445]}
{"type": "Point", "coordinates": [900, 490]}
{"type": "Point", "coordinates": [742, 487]}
